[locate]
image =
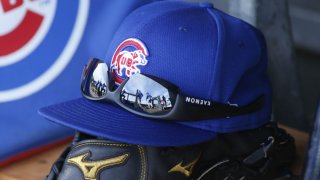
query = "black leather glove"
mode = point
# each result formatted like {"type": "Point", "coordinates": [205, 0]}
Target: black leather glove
{"type": "Point", "coordinates": [262, 153]}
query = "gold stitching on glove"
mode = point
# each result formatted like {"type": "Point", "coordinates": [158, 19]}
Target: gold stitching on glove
{"type": "Point", "coordinates": [143, 163]}
{"type": "Point", "coordinates": [102, 144]}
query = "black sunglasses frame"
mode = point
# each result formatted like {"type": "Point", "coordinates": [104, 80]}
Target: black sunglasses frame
{"type": "Point", "coordinates": [185, 108]}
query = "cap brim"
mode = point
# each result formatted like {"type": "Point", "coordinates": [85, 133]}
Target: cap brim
{"type": "Point", "coordinates": [113, 122]}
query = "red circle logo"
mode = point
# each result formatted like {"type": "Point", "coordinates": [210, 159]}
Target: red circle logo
{"type": "Point", "coordinates": [26, 24]}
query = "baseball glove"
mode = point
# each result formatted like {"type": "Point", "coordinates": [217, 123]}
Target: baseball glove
{"type": "Point", "coordinates": [263, 153]}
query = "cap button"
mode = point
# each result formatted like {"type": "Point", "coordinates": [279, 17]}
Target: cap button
{"type": "Point", "coordinates": [206, 5]}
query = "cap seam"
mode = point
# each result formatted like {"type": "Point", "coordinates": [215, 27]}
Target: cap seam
{"type": "Point", "coordinates": [220, 45]}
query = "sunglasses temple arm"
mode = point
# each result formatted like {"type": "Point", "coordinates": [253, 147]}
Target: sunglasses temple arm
{"type": "Point", "coordinates": [198, 109]}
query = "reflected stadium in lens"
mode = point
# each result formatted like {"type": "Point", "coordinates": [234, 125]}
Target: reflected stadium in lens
{"type": "Point", "coordinates": [146, 95]}
{"type": "Point", "coordinates": [99, 81]}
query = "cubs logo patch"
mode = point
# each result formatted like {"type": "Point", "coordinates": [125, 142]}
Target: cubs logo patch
{"type": "Point", "coordinates": [37, 41]}
{"type": "Point", "coordinates": [128, 58]}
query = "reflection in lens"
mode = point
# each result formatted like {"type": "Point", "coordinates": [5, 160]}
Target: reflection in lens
{"type": "Point", "coordinates": [144, 94]}
{"type": "Point", "coordinates": [99, 81]}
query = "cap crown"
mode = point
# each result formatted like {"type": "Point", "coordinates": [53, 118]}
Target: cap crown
{"type": "Point", "coordinates": [205, 52]}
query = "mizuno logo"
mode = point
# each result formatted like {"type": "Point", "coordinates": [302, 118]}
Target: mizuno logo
{"type": "Point", "coordinates": [197, 101]}
{"type": "Point", "coordinates": [90, 168]}
{"type": "Point", "coordinates": [187, 169]}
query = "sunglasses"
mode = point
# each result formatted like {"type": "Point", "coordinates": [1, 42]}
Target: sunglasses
{"type": "Point", "coordinates": [152, 97]}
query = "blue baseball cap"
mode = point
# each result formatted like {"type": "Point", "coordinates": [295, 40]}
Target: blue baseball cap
{"type": "Point", "coordinates": [205, 52]}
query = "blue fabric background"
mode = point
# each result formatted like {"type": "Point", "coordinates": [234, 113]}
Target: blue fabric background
{"type": "Point", "coordinates": [21, 128]}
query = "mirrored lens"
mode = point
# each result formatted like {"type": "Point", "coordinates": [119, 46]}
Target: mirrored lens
{"type": "Point", "coordinates": [146, 95]}
{"type": "Point", "coordinates": [94, 82]}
